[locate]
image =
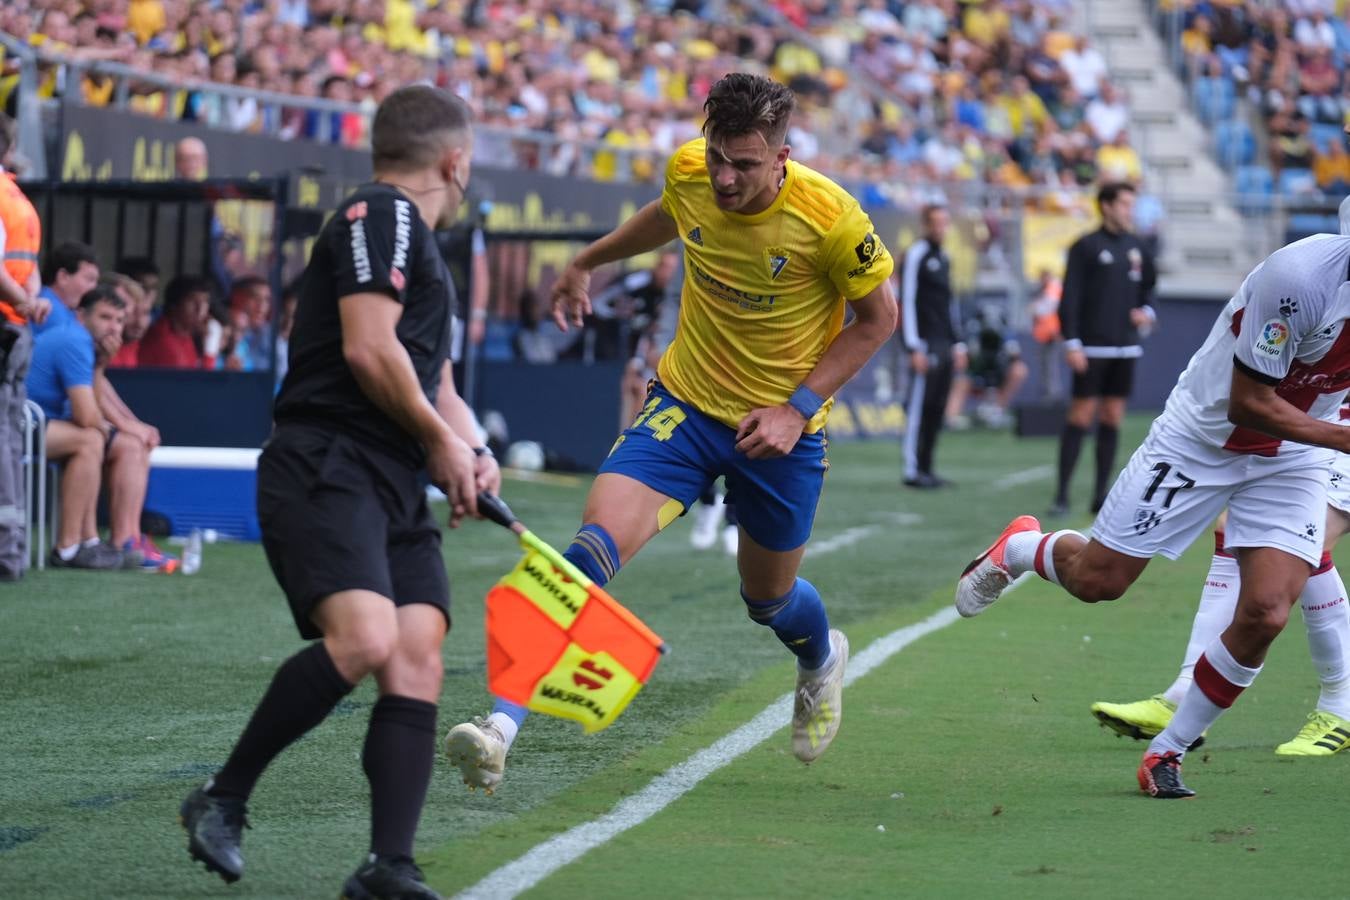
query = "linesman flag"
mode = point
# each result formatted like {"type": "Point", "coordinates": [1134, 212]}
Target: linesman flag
{"type": "Point", "coordinates": [557, 643]}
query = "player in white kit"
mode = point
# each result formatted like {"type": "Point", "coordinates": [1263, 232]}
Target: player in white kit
{"type": "Point", "coordinates": [1325, 617]}
{"type": "Point", "coordinates": [1246, 427]}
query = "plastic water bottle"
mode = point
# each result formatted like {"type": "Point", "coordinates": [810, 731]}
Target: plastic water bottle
{"type": "Point", "coordinates": [192, 553]}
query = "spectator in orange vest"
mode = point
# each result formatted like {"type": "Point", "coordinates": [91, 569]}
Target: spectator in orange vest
{"type": "Point", "coordinates": [20, 238]}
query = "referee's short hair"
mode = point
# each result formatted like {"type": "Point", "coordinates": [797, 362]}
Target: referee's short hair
{"type": "Point", "coordinates": [413, 127]}
{"type": "Point", "coordinates": [1111, 191]}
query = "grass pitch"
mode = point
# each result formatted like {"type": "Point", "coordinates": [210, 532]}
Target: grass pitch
{"type": "Point", "coordinates": [973, 749]}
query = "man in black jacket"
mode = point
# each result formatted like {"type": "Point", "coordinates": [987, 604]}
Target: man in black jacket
{"type": "Point", "coordinates": [928, 318]}
{"type": "Point", "coordinates": [1107, 285]}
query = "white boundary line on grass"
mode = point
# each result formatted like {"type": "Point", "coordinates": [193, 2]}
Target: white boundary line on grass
{"type": "Point", "coordinates": [1025, 476]}
{"type": "Point", "coordinates": [851, 536]}
{"type": "Point", "coordinates": [541, 861]}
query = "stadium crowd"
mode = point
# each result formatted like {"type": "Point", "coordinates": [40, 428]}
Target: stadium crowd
{"type": "Point", "coordinates": [1287, 62]}
{"type": "Point", "coordinates": [890, 93]}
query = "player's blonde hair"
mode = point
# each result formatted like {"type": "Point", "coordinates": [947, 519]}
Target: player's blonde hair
{"type": "Point", "coordinates": [740, 104]}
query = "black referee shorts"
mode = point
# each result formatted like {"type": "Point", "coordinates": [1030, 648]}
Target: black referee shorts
{"type": "Point", "coordinates": [1105, 378]}
{"type": "Point", "coordinates": [337, 515]}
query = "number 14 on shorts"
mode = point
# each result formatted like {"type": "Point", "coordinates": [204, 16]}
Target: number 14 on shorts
{"type": "Point", "coordinates": [662, 422]}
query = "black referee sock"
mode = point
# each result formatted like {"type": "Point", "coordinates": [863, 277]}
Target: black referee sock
{"type": "Point", "coordinates": [303, 692]}
{"type": "Point", "coordinates": [1108, 437]}
{"type": "Point", "coordinates": [1070, 444]}
{"type": "Point", "coordinates": [398, 757]}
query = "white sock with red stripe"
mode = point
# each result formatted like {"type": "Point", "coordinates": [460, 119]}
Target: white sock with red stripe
{"type": "Point", "coordinates": [1218, 601]}
{"type": "Point", "coordinates": [1019, 554]}
{"type": "Point", "coordinates": [1327, 619]}
{"type": "Point", "coordinates": [1032, 551]}
{"type": "Point", "coordinates": [1219, 679]}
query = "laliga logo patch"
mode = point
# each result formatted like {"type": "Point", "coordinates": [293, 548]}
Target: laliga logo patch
{"type": "Point", "coordinates": [1274, 334]}
{"type": "Point", "coordinates": [869, 253]}
{"type": "Point", "coordinates": [867, 250]}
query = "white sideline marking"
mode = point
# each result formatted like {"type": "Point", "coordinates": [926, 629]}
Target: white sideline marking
{"type": "Point", "coordinates": [1025, 476]}
{"type": "Point", "coordinates": [541, 861]}
{"type": "Point", "coordinates": [850, 536]}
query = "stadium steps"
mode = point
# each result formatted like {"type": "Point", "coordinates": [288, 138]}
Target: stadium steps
{"type": "Point", "coordinates": [1205, 240]}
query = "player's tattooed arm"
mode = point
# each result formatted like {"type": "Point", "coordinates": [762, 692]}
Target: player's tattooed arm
{"type": "Point", "coordinates": [1253, 403]}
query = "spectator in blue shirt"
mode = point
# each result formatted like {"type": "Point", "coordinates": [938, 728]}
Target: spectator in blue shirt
{"type": "Point", "coordinates": [251, 319]}
{"type": "Point", "coordinates": [61, 381]}
{"type": "Point", "coordinates": [70, 273]}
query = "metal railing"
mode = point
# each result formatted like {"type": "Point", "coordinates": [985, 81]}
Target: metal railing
{"type": "Point", "coordinates": [1264, 225]}
{"type": "Point", "coordinates": [497, 147]}
{"type": "Point", "coordinates": [29, 109]}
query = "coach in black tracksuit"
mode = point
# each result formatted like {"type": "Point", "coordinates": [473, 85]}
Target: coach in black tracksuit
{"type": "Point", "coordinates": [929, 329]}
{"type": "Point", "coordinates": [1107, 285]}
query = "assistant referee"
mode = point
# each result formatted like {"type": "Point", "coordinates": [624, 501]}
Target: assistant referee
{"type": "Point", "coordinates": [344, 518]}
{"type": "Point", "coordinates": [1108, 283]}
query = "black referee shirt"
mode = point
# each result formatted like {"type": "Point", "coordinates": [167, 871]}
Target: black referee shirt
{"type": "Point", "coordinates": [374, 243]}
{"type": "Point", "coordinates": [928, 317]}
{"type": "Point", "coordinates": [1107, 276]}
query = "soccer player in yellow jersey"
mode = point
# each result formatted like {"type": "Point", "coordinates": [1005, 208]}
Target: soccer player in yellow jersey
{"type": "Point", "coordinates": [773, 252]}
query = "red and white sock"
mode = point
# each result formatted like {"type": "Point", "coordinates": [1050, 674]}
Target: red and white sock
{"type": "Point", "coordinates": [1218, 601]}
{"type": "Point", "coordinates": [1327, 618]}
{"type": "Point", "coordinates": [1219, 679]}
{"type": "Point", "coordinates": [1032, 551]}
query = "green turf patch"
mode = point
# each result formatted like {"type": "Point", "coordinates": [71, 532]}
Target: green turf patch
{"type": "Point", "coordinates": [134, 687]}
{"type": "Point", "coordinates": [970, 766]}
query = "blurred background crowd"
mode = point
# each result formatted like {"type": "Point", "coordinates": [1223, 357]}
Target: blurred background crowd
{"type": "Point", "coordinates": [999, 92]}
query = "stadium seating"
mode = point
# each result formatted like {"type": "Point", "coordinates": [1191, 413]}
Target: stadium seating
{"type": "Point", "coordinates": [1253, 59]}
{"type": "Point", "coordinates": [1322, 135]}
{"type": "Point", "coordinates": [1215, 99]}
{"type": "Point", "coordinates": [1254, 186]}
{"type": "Point", "coordinates": [1303, 224]}
{"type": "Point", "coordinates": [1234, 144]}
{"type": "Point", "coordinates": [1296, 182]}
{"type": "Point", "coordinates": [878, 81]}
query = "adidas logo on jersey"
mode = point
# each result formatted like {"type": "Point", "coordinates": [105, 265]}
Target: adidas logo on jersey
{"type": "Point", "coordinates": [696, 236]}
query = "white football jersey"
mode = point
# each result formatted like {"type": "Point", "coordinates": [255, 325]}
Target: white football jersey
{"type": "Point", "coordinates": [1285, 327]}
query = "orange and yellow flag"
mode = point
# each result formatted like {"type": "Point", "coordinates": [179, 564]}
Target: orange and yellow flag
{"type": "Point", "coordinates": [558, 644]}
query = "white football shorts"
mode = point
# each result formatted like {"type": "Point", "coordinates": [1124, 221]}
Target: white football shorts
{"type": "Point", "coordinates": [1174, 487]}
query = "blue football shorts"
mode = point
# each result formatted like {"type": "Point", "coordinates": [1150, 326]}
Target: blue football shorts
{"type": "Point", "coordinates": [673, 448]}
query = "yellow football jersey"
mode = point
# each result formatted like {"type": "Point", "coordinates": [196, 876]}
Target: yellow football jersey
{"type": "Point", "coordinates": [763, 294]}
